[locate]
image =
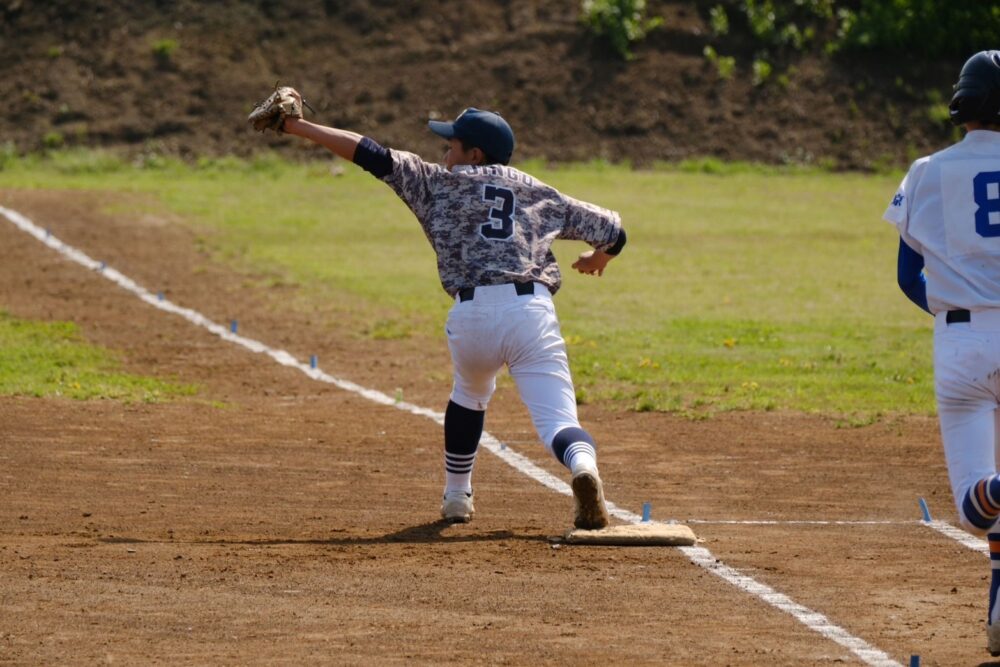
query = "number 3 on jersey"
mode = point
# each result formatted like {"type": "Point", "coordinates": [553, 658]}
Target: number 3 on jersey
{"type": "Point", "coordinates": [986, 193]}
{"type": "Point", "coordinates": [501, 225]}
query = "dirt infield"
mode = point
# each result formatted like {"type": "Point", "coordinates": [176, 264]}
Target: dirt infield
{"type": "Point", "coordinates": [275, 519]}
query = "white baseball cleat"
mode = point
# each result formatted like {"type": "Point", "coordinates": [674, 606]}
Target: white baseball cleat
{"type": "Point", "coordinates": [993, 638]}
{"type": "Point", "coordinates": [457, 507]}
{"type": "Point", "coordinates": [591, 512]}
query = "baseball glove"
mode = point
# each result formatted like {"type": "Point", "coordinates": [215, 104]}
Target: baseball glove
{"type": "Point", "coordinates": [284, 102]}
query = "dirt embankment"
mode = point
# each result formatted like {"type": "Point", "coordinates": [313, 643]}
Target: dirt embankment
{"type": "Point", "coordinates": [179, 77]}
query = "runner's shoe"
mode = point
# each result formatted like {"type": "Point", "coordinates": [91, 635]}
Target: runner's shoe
{"type": "Point", "coordinates": [457, 507]}
{"type": "Point", "coordinates": [591, 512]}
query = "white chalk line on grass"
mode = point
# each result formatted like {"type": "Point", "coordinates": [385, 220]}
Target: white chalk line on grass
{"type": "Point", "coordinates": [698, 555]}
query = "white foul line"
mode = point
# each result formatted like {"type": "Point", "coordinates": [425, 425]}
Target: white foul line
{"type": "Point", "coordinates": [698, 555]}
{"type": "Point", "coordinates": [802, 522]}
{"type": "Point", "coordinates": [959, 535]}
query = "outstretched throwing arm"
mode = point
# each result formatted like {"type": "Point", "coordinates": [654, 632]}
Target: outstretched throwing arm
{"type": "Point", "coordinates": [343, 143]}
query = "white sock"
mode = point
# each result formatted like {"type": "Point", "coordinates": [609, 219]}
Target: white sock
{"type": "Point", "coordinates": [458, 472]}
{"type": "Point", "coordinates": [581, 456]}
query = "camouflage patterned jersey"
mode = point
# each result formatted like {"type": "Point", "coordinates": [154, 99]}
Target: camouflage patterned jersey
{"type": "Point", "coordinates": [495, 224]}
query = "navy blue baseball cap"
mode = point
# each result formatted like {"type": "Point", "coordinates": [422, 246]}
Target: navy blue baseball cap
{"type": "Point", "coordinates": [485, 130]}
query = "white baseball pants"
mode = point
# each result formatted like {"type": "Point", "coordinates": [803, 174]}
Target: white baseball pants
{"type": "Point", "coordinates": [500, 327]}
{"type": "Point", "coordinates": [967, 385]}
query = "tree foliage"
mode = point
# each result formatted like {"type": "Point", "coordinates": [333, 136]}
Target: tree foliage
{"type": "Point", "coordinates": [928, 28]}
{"type": "Point", "coordinates": [622, 22]}
{"type": "Point", "coordinates": [925, 29]}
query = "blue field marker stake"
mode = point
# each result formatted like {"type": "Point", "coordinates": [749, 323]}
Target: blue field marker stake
{"type": "Point", "coordinates": [103, 266]}
{"type": "Point", "coordinates": [914, 661]}
{"type": "Point", "coordinates": [313, 361]}
{"type": "Point", "coordinates": [159, 296]}
{"type": "Point", "coordinates": [647, 510]}
{"type": "Point", "coordinates": [233, 326]}
{"type": "Point", "coordinates": [925, 510]}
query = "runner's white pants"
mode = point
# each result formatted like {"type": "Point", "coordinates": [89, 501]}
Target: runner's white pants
{"type": "Point", "coordinates": [500, 327]}
{"type": "Point", "coordinates": [967, 385]}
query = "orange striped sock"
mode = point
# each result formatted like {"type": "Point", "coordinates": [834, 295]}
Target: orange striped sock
{"type": "Point", "coordinates": [981, 505]}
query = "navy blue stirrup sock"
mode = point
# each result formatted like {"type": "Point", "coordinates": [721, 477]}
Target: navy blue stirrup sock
{"type": "Point", "coordinates": [462, 430]}
{"type": "Point", "coordinates": [994, 542]}
{"type": "Point", "coordinates": [571, 442]}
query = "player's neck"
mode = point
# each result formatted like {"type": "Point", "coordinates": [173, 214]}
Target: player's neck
{"type": "Point", "coordinates": [980, 125]}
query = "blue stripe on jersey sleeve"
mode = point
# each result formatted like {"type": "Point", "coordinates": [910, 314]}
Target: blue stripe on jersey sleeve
{"type": "Point", "coordinates": [909, 275]}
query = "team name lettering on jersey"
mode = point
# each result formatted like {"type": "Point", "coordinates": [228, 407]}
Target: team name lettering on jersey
{"type": "Point", "coordinates": [503, 172]}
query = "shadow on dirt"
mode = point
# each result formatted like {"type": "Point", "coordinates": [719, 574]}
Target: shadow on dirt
{"type": "Point", "coordinates": [425, 533]}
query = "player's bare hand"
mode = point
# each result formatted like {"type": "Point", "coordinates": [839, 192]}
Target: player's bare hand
{"type": "Point", "coordinates": [592, 262]}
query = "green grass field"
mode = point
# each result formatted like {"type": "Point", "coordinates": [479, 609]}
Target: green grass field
{"type": "Point", "coordinates": [50, 359]}
{"type": "Point", "coordinates": [748, 288]}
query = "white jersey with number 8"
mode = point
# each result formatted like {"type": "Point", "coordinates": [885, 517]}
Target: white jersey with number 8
{"type": "Point", "coordinates": [948, 209]}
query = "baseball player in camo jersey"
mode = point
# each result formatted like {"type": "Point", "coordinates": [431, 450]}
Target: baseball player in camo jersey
{"type": "Point", "coordinates": [947, 211]}
{"type": "Point", "coordinates": [492, 228]}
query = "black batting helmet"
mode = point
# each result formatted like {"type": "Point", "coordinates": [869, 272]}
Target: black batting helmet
{"type": "Point", "coordinates": [977, 93]}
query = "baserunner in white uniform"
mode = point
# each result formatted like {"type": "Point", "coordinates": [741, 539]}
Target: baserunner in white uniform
{"type": "Point", "coordinates": [492, 229]}
{"type": "Point", "coordinates": [947, 211]}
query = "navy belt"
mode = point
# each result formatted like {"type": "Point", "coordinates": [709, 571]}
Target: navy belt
{"type": "Point", "coordinates": [469, 293]}
{"type": "Point", "coordinates": [954, 316]}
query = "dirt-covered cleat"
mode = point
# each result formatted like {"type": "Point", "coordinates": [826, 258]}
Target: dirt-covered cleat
{"type": "Point", "coordinates": [457, 507]}
{"type": "Point", "coordinates": [591, 512]}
